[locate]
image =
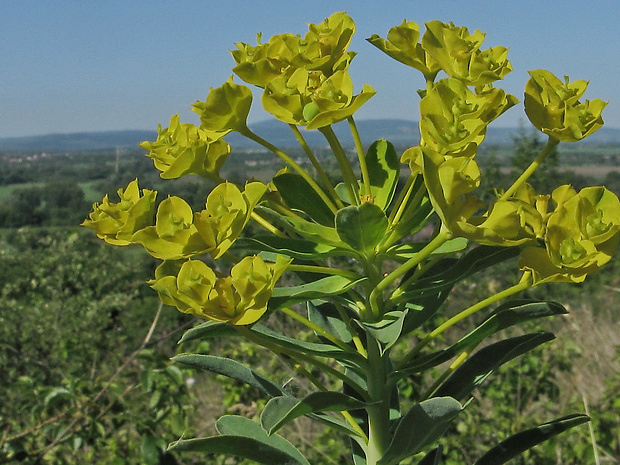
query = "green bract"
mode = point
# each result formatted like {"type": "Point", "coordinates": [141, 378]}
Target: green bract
{"type": "Point", "coordinates": [402, 45]}
{"type": "Point", "coordinates": [554, 108]}
{"type": "Point", "coordinates": [226, 108]}
{"type": "Point", "coordinates": [182, 149]}
{"type": "Point", "coordinates": [363, 304]}
{"type": "Point", "coordinates": [116, 223]}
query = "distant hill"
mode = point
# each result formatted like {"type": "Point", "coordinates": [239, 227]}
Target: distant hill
{"type": "Point", "coordinates": [399, 132]}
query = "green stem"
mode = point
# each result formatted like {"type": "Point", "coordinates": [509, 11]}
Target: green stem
{"type": "Point", "coordinates": [360, 155]}
{"type": "Point", "coordinates": [267, 225]}
{"type": "Point", "coordinates": [324, 269]}
{"type": "Point", "coordinates": [348, 175]}
{"type": "Point", "coordinates": [302, 172]}
{"type": "Point", "coordinates": [551, 144]}
{"type": "Point", "coordinates": [317, 166]}
{"type": "Point", "coordinates": [448, 371]}
{"type": "Point", "coordinates": [379, 411]}
{"type": "Point", "coordinates": [317, 329]}
{"type": "Point", "coordinates": [295, 355]}
{"type": "Point", "coordinates": [524, 283]}
{"type": "Point", "coordinates": [423, 254]}
{"type": "Point", "coordinates": [359, 345]}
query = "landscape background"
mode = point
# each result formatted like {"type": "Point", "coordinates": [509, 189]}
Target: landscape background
{"type": "Point", "coordinates": [85, 346]}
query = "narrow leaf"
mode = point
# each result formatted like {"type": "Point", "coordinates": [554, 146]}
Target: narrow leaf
{"type": "Point", "coordinates": [245, 438]}
{"type": "Point", "coordinates": [480, 365]}
{"type": "Point", "coordinates": [388, 330]}
{"type": "Point", "coordinates": [326, 316]}
{"type": "Point", "coordinates": [520, 442]}
{"type": "Point", "coordinates": [282, 410]}
{"type": "Point", "coordinates": [232, 369]}
{"type": "Point", "coordinates": [319, 289]}
{"type": "Point", "coordinates": [295, 248]}
{"type": "Point", "coordinates": [423, 424]}
{"type": "Point", "coordinates": [299, 195]}
{"type": "Point", "coordinates": [383, 170]}
{"type": "Point", "coordinates": [361, 227]}
{"type": "Point", "coordinates": [506, 315]}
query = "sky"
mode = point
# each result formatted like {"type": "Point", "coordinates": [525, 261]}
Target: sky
{"type": "Point", "coordinates": [84, 65]}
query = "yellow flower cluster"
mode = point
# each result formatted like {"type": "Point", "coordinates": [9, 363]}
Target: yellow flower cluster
{"type": "Point", "coordinates": [178, 234]}
{"type": "Point", "coordinates": [304, 79]}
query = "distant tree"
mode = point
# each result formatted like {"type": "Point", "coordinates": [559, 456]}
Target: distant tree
{"type": "Point", "coordinates": [526, 147]}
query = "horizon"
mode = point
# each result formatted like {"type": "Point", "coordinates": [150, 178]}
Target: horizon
{"type": "Point", "coordinates": [99, 67]}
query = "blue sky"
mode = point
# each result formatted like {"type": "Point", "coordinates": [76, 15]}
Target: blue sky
{"type": "Point", "coordinates": [86, 65]}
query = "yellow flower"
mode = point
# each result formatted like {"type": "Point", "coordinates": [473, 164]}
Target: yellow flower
{"type": "Point", "coordinates": [309, 99]}
{"type": "Point", "coordinates": [403, 45]}
{"type": "Point", "coordinates": [180, 233]}
{"type": "Point", "coordinates": [453, 117]}
{"type": "Point", "coordinates": [226, 108]}
{"type": "Point", "coordinates": [238, 299]}
{"type": "Point", "coordinates": [182, 149]}
{"type": "Point", "coordinates": [554, 108]}
{"type": "Point", "coordinates": [582, 234]}
{"type": "Point", "coordinates": [116, 223]}
{"type": "Point", "coordinates": [459, 55]}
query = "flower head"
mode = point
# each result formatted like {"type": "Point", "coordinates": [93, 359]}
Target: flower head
{"type": "Point", "coordinates": [582, 234]}
{"type": "Point", "coordinates": [459, 55]}
{"type": "Point", "coordinates": [116, 223]}
{"type": "Point", "coordinates": [554, 108]}
{"type": "Point", "coordinates": [238, 299]}
{"type": "Point", "coordinates": [182, 149]}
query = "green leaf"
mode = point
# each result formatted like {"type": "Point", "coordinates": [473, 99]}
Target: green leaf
{"type": "Point", "coordinates": [327, 317]}
{"type": "Point", "coordinates": [151, 450]}
{"type": "Point", "coordinates": [505, 316]}
{"type": "Point", "coordinates": [388, 330]}
{"type": "Point", "coordinates": [447, 272]}
{"type": "Point", "coordinates": [415, 215]}
{"type": "Point", "coordinates": [232, 369]}
{"type": "Point", "coordinates": [57, 395]}
{"type": "Point", "coordinates": [299, 195]}
{"type": "Point", "coordinates": [212, 330]}
{"type": "Point", "coordinates": [312, 231]}
{"type": "Point", "coordinates": [433, 457]}
{"type": "Point", "coordinates": [319, 289]}
{"type": "Point", "coordinates": [407, 250]}
{"type": "Point", "coordinates": [423, 424]}
{"type": "Point", "coordinates": [520, 442]}
{"type": "Point", "coordinates": [483, 363]}
{"type": "Point", "coordinates": [282, 410]}
{"type": "Point", "coordinates": [295, 248]}
{"type": "Point", "coordinates": [383, 170]}
{"type": "Point", "coordinates": [361, 227]}
{"type": "Point", "coordinates": [244, 438]}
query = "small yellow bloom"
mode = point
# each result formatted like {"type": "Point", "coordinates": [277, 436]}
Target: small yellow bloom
{"type": "Point", "coordinates": [182, 149]}
{"type": "Point", "coordinates": [238, 299]}
{"type": "Point", "coordinates": [180, 233]}
{"type": "Point", "coordinates": [403, 45]}
{"type": "Point", "coordinates": [459, 55]}
{"type": "Point", "coordinates": [554, 108]}
{"type": "Point", "coordinates": [226, 108]}
{"type": "Point", "coordinates": [582, 234]}
{"type": "Point", "coordinates": [453, 117]}
{"type": "Point", "coordinates": [116, 223]}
